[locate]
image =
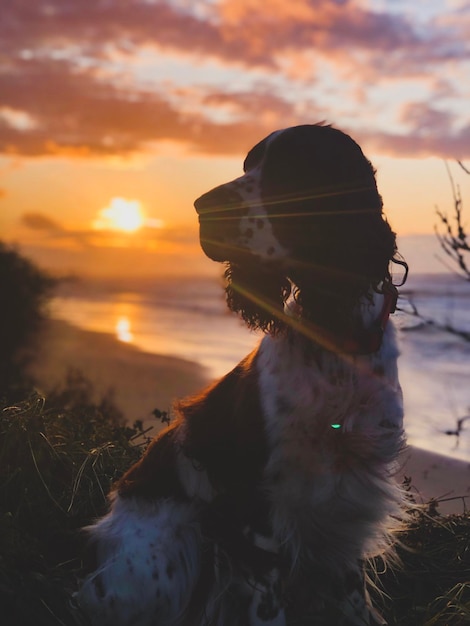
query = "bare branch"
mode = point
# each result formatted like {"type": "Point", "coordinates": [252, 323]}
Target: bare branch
{"type": "Point", "coordinates": [427, 321]}
{"type": "Point", "coordinates": [467, 171]}
{"type": "Point", "coordinates": [454, 239]}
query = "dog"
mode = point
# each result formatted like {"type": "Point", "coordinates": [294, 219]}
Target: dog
{"type": "Point", "coordinates": [259, 503]}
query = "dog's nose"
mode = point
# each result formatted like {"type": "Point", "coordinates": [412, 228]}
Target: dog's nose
{"type": "Point", "coordinates": [219, 216]}
{"type": "Point", "coordinates": [204, 203]}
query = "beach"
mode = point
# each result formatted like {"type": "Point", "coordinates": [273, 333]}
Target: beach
{"type": "Point", "coordinates": [144, 381]}
{"type": "Point", "coordinates": [436, 477]}
{"type": "Point", "coordinates": [140, 381]}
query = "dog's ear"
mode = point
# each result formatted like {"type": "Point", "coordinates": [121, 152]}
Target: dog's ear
{"type": "Point", "coordinates": [257, 293]}
{"type": "Point", "coordinates": [346, 264]}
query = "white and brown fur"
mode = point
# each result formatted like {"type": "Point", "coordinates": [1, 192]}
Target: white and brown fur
{"type": "Point", "coordinates": [259, 503]}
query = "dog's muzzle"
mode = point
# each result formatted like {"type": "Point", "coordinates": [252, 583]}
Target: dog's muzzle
{"type": "Point", "coordinates": [220, 211]}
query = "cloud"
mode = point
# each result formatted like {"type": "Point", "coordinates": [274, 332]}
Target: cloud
{"type": "Point", "coordinates": [90, 116]}
{"type": "Point", "coordinates": [96, 28]}
{"type": "Point", "coordinates": [68, 84]}
{"type": "Point", "coordinates": [243, 32]}
{"type": "Point", "coordinates": [417, 144]}
{"type": "Point", "coordinates": [40, 222]}
{"type": "Point", "coordinates": [346, 30]}
{"type": "Point", "coordinates": [76, 111]}
{"type": "Point", "coordinates": [429, 131]}
{"type": "Point", "coordinates": [49, 231]}
{"type": "Point", "coordinates": [424, 118]}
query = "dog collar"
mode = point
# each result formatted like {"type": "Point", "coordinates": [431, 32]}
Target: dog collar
{"type": "Point", "coordinates": [365, 341]}
{"type": "Point", "coordinates": [370, 340]}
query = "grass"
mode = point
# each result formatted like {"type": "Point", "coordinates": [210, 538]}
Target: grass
{"type": "Point", "coordinates": [431, 587]}
{"type": "Point", "coordinates": [56, 466]}
{"type": "Point", "coordinates": [58, 459]}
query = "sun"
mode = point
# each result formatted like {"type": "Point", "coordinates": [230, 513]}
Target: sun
{"type": "Point", "coordinates": [121, 215]}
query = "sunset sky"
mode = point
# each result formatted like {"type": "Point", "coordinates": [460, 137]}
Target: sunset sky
{"type": "Point", "coordinates": [116, 115]}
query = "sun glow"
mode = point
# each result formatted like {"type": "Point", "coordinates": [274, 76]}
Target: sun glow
{"type": "Point", "coordinates": [123, 330]}
{"type": "Point", "coordinates": [121, 215]}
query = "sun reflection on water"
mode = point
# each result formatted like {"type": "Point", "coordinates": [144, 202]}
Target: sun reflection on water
{"type": "Point", "coordinates": [123, 330]}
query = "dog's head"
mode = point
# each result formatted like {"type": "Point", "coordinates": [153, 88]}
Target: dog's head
{"type": "Point", "coordinates": [306, 213]}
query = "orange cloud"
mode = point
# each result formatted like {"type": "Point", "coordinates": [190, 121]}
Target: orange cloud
{"type": "Point", "coordinates": [49, 231]}
{"type": "Point", "coordinates": [422, 117]}
{"type": "Point", "coordinates": [447, 145]}
{"type": "Point", "coordinates": [41, 222]}
{"type": "Point", "coordinates": [61, 91]}
{"type": "Point", "coordinates": [88, 116]}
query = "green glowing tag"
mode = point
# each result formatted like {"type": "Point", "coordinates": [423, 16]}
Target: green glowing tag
{"type": "Point", "coordinates": [335, 426]}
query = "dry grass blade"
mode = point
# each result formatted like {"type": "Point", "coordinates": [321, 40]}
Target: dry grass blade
{"type": "Point", "coordinates": [75, 455]}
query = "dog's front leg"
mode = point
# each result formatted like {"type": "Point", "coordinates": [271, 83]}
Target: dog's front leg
{"type": "Point", "coordinates": [149, 559]}
{"type": "Point", "coordinates": [266, 602]}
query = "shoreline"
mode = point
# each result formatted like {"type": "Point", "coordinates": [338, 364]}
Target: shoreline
{"type": "Point", "coordinates": [139, 381]}
{"type": "Point", "coordinates": [143, 381]}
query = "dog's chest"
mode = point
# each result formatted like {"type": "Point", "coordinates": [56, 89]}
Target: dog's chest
{"type": "Point", "coordinates": [327, 421]}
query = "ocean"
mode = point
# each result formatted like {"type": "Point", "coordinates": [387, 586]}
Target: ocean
{"type": "Point", "coordinates": [188, 318]}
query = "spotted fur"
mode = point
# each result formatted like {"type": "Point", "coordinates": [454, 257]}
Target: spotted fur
{"type": "Point", "coordinates": [259, 503]}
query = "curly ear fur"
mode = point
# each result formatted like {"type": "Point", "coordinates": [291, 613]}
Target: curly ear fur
{"type": "Point", "coordinates": [257, 293]}
{"type": "Point", "coordinates": [331, 283]}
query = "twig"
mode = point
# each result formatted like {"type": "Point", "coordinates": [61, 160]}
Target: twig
{"type": "Point", "coordinates": [454, 239]}
{"type": "Point", "coordinates": [467, 171]}
{"type": "Point", "coordinates": [459, 427]}
{"type": "Point", "coordinates": [463, 334]}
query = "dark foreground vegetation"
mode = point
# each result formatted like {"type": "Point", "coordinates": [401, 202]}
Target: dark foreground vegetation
{"type": "Point", "coordinates": [58, 459]}
{"type": "Point", "coordinates": [60, 455]}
